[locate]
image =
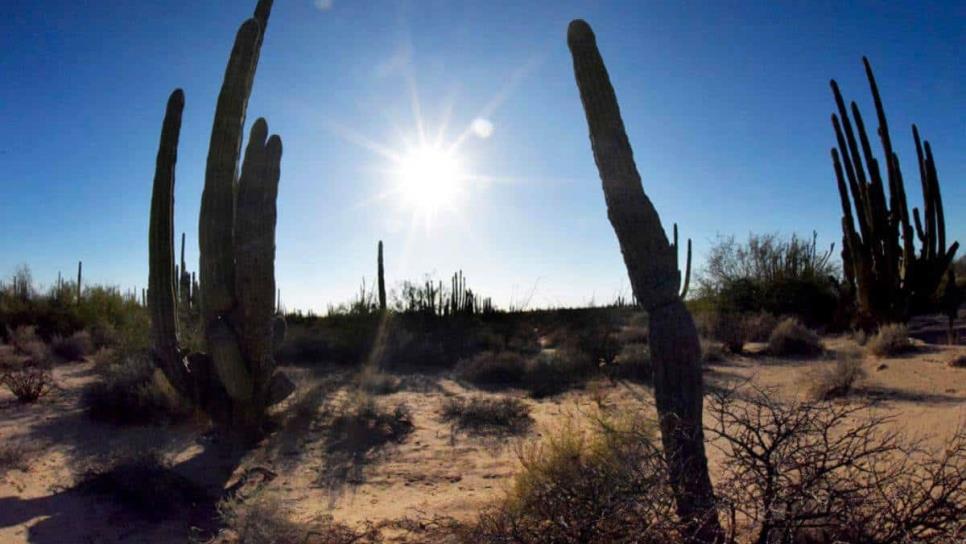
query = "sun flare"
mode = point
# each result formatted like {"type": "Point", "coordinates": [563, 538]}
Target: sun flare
{"type": "Point", "coordinates": [429, 179]}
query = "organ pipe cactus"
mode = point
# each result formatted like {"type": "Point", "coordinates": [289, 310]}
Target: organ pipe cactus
{"type": "Point", "coordinates": [236, 379]}
{"type": "Point", "coordinates": [382, 279]}
{"type": "Point", "coordinates": [655, 279]}
{"type": "Point", "coordinates": [889, 279]}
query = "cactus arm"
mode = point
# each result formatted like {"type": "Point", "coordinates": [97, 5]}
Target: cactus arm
{"type": "Point", "coordinates": [216, 222]}
{"type": "Point", "coordinates": [161, 284]}
{"type": "Point", "coordinates": [655, 279]}
{"type": "Point", "coordinates": [255, 251]}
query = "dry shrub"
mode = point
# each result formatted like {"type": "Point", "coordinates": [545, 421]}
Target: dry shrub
{"type": "Point", "coordinates": [28, 383]}
{"type": "Point", "coordinates": [891, 339]}
{"type": "Point", "coordinates": [957, 362]}
{"type": "Point", "coordinates": [25, 342]}
{"type": "Point", "coordinates": [554, 372]}
{"type": "Point", "coordinates": [504, 415]}
{"type": "Point", "coordinates": [836, 379]}
{"type": "Point", "coordinates": [13, 456]}
{"type": "Point", "coordinates": [817, 471]}
{"type": "Point", "coordinates": [263, 519]}
{"type": "Point", "coordinates": [607, 485]}
{"type": "Point", "coordinates": [132, 391]}
{"type": "Point", "coordinates": [372, 380]}
{"type": "Point", "coordinates": [633, 363]}
{"type": "Point", "coordinates": [729, 329]}
{"type": "Point", "coordinates": [73, 348]}
{"type": "Point", "coordinates": [360, 425]}
{"type": "Point", "coordinates": [759, 326]}
{"type": "Point", "coordinates": [711, 351]}
{"type": "Point", "coordinates": [493, 369]}
{"type": "Point", "coordinates": [790, 337]}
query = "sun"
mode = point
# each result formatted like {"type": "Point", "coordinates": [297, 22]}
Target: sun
{"type": "Point", "coordinates": [429, 179]}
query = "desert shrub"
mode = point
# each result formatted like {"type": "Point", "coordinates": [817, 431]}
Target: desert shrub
{"type": "Point", "coordinates": [837, 379]}
{"type": "Point", "coordinates": [729, 329]}
{"type": "Point", "coordinates": [264, 519]}
{"type": "Point", "coordinates": [376, 382]}
{"type": "Point", "coordinates": [361, 424]}
{"type": "Point", "coordinates": [759, 326]}
{"type": "Point", "coordinates": [606, 485]}
{"type": "Point", "coordinates": [790, 337]}
{"type": "Point", "coordinates": [891, 339]}
{"type": "Point", "coordinates": [74, 347]}
{"type": "Point", "coordinates": [767, 273]}
{"type": "Point", "coordinates": [958, 361]}
{"type": "Point", "coordinates": [13, 456]}
{"type": "Point", "coordinates": [633, 363]}
{"type": "Point", "coordinates": [488, 416]}
{"type": "Point", "coordinates": [28, 383]}
{"type": "Point", "coordinates": [553, 372]}
{"type": "Point", "coordinates": [27, 343]}
{"type": "Point", "coordinates": [131, 391]}
{"type": "Point", "coordinates": [711, 351]}
{"type": "Point", "coordinates": [493, 369]}
{"type": "Point", "coordinates": [145, 486]}
{"type": "Point", "coordinates": [818, 471]}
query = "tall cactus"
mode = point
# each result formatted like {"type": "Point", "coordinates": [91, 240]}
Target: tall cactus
{"type": "Point", "coordinates": [655, 279]}
{"type": "Point", "coordinates": [237, 243]}
{"type": "Point", "coordinates": [888, 279]}
{"type": "Point", "coordinates": [382, 279]}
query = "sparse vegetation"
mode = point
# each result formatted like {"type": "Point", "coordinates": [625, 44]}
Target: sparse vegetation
{"type": "Point", "coordinates": [28, 383]}
{"type": "Point", "coordinates": [13, 456]}
{"type": "Point", "coordinates": [376, 382]}
{"type": "Point", "coordinates": [891, 339]}
{"type": "Point", "coordinates": [480, 415]}
{"type": "Point", "coordinates": [493, 369]}
{"type": "Point", "coordinates": [837, 379]}
{"type": "Point", "coordinates": [74, 347]}
{"type": "Point", "coordinates": [790, 337]}
{"type": "Point", "coordinates": [131, 392]}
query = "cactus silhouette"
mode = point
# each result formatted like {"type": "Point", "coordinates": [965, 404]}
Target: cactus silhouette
{"type": "Point", "coordinates": [236, 379]}
{"type": "Point", "coordinates": [652, 265]}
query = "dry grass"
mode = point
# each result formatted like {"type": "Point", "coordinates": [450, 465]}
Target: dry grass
{"type": "Point", "coordinates": [891, 339]}
{"type": "Point", "coordinates": [791, 338]}
{"type": "Point", "coordinates": [13, 456]}
{"type": "Point", "coordinates": [504, 415]}
{"type": "Point", "coordinates": [837, 379]}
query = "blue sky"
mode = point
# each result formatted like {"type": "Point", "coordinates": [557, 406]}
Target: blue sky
{"type": "Point", "coordinates": [727, 106]}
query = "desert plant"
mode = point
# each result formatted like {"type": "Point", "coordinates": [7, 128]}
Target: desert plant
{"type": "Point", "coordinates": [891, 339]}
{"type": "Point", "coordinates": [633, 363]}
{"type": "Point", "coordinates": [818, 471]}
{"type": "Point", "coordinates": [236, 380]}
{"type": "Point", "coordinates": [130, 393]}
{"type": "Point", "coordinates": [73, 348]}
{"type": "Point", "coordinates": [13, 456]}
{"type": "Point", "coordinates": [480, 415]}
{"type": "Point", "coordinates": [652, 264]}
{"type": "Point", "coordinates": [381, 274]}
{"type": "Point", "coordinates": [608, 484]}
{"type": "Point", "coordinates": [493, 369]}
{"type": "Point", "coordinates": [889, 280]}
{"type": "Point", "coordinates": [790, 337]}
{"type": "Point", "coordinates": [371, 380]}
{"type": "Point", "coordinates": [837, 379]}
{"type": "Point", "coordinates": [28, 383]}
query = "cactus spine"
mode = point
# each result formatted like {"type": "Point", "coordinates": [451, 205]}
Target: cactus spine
{"type": "Point", "coordinates": [888, 279]}
{"type": "Point", "coordinates": [652, 266]}
{"type": "Point", "coordinates": [237, 242]}
{"type": "Point", "coordinates": [382, 279]}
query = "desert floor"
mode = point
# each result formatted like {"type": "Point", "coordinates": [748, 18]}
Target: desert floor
{"type": "Point", "coordinates": [434, 471]}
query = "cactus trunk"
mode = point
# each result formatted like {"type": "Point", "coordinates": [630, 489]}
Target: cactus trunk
{"type": "Point", "coordinates": [655, 279]}
{"type": "Point", "coordinates": [382, 279]}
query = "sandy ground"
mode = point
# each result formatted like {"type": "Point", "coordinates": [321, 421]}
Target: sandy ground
{"type": "Point", "coordinates": [434, 471]}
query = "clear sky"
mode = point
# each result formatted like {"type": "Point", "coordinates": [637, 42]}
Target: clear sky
{"type": "Point", "coordinates": [727, 106]}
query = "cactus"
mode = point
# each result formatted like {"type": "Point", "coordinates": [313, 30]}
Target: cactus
{"type": "Point", "coordinates": [80, 267]}
{"type": "Point", "coordinates": [237, 243]}
{"type": "Point", "coordinates": [655, 279]}
{"type": "Point", "coordinates": [889, 281]}
{"type": "Point", "coordinates": [382, 279]}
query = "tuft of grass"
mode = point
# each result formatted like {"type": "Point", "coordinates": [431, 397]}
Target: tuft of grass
{"type": "Point", "coordinates": [376, 382]}
{"type": "Point", "coordinates": [837, 379]}
{"type": "Point", "coordinates": [505, 415]}
{"type": "Point", "coordinates": [891, 339]}
{"type": "Point", "coordinates": [263, 519]}
{"type": "Point", "coordinates": [13, 456]}
{"type": "Point", "coordinates": [791, 338]}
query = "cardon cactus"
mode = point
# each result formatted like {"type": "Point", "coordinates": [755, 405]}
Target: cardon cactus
{"type": "Point", "coordinates": [652, 265]}
{"type": "Point", "coordinates": [236, 380]}
{"type": "Point", "coordinates": [889, 280]}
{"type": "Point", "coordinates": [381, 271]}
